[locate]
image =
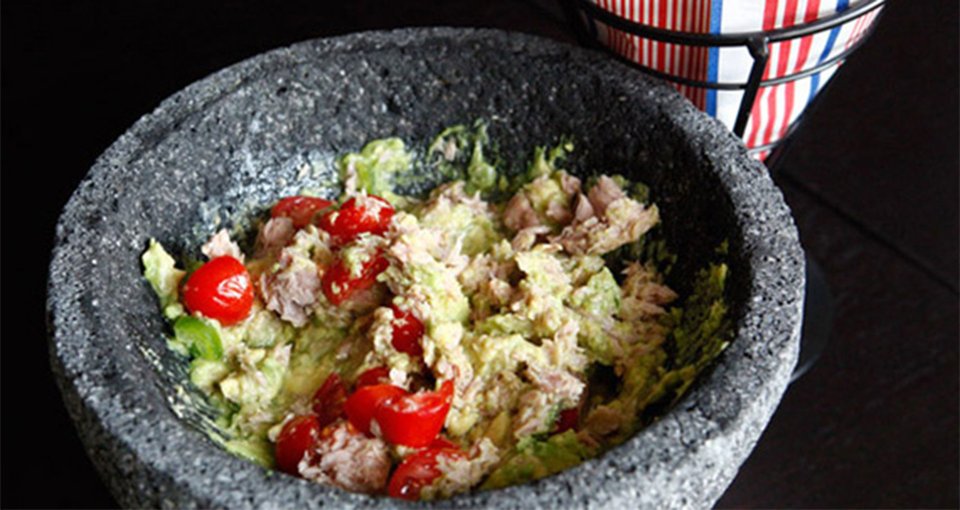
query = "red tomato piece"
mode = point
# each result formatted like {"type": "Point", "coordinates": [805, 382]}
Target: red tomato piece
{"type": "Point", "coordinates": [568, 419]}
{"type": "Point", "coordinates": [414, 419]}
{"type": "Point", "coordinates": [295, 439]}
{"type": "Point", "coordinates": [221, 290]}
{"type": "Point", "coordinates": [363, 404]}
{"type": "Point", "coordinates": [358, 215]}
{"type": "Point", "coordinates": [329, 399]}
{"type": "Point", "coordinates": [442, 442]}
{"type": "Point", "coordinates": [301, 210]}
{"type": "Point", "coordinates": [407, 331]}
{"type": "Point", "coordinates": [378, 375]}
{"type": "Point", "coordinates": [338, 284]}
{"type": "Point", "coordinates": [418, 471]}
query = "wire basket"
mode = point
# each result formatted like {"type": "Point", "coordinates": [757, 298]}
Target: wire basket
{"type": "Point", "coordinates": [758, 82]}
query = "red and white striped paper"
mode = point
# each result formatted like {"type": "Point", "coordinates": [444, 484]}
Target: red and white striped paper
{"type": "Point", "coordinates": [776, 107]}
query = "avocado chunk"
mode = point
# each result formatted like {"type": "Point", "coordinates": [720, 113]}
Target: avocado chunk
{"type": "Point", "coordinates": [536, 458]}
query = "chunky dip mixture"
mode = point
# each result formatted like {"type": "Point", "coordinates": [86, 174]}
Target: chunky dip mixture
{"type": "Point", "coordinates": [493, 332]}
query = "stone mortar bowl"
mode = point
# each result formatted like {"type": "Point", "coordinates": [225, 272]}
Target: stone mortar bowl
{"type": "Point", "coordinates": [272, 125]}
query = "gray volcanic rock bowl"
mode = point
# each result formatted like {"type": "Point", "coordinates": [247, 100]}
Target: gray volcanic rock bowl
{"type": "Point", "coordinates": [271, 125]}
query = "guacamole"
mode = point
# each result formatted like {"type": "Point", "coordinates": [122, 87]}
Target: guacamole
{"type": "Point", "coordinates": [487, 333]}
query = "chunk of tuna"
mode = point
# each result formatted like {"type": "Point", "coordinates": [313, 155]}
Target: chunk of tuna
{"type": "Point", "coordinates": [220, 245]}
{"type": "Point", "coordinates": [346, 458]}
{"type": "Point", "coordinates": [519, 214]}
{"type": "Point", "coordinates": [605, 192]}
{"type": "Point", "coordinates": [274, 235]}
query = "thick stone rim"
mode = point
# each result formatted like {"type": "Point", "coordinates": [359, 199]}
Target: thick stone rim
{"type": "Point", "coordinates": [766, 342]}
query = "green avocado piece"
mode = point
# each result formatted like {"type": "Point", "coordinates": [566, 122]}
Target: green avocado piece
{"type": "Point", "coordinates": [475, 232]}
{"type": "Point", "coordinates": [458, 153]}
{"type": "Point", "coordinates": [204, 373]}
{"type": "Point", "coordinates": [545, 159]}
{"type": "Point", "coordinates": [254, 386]}
{"type": "Point", "coordinates": [595, 339]}
{"type": "Point", "coordinates": [313, 359]}
{"type": "Point", "coordinates": [164, 278]}
{"type": "Point", "coordinates": [544, 270]}
{"type": "Point", "coordinates": [481, 175]}
{"type": "Point", "coordinates": [600, 297]}
{"type": "Point", "coordinates": [201, 339]}
{"type": "Point", "coordinates": [377, 166]}
{"type": "Point", "coordinates": [255, 449]}
{"type": "Point", "coordinates": [702, 323]}
{"type": "Point", "coordinates": [437, 283]}
{"type": "Point", "coordinates": [506, 324]}
{"type": "Point", "coordinates": [265, 329]}
{"type": "Point", "coordinates": [533, 459]}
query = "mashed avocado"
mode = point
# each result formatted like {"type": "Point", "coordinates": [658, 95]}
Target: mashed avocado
{"type": "Point", "coordinates": [376, 166]}
{"type": "Point", "coordinates": [538, 302]}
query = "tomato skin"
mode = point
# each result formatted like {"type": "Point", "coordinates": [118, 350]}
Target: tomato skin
{"type": "Point", "coordinates": [370, 377]}
{"type": "Point", "coordinates": [295, 439]}
{"type": "Point", "coordinates": [338, 284]}
{"type": "Point", "coordinates": [417, 471]}
{"type": "Point", "coordinates": [301, 210]}
{"type": "Point", "coordinates": [329, 399]}
{"type": "Point", "coordinates": [220, 289]}
{"type": "Point", "coordinates": [358, 215]}
{"type": "Point", "coordinates": [568, 419]}
{"type": "Point", "coordinates": [363, 404]}
{"type": "Point", "coordinates": [442, 442]}
{"type": "Point", "coordinates": [407, 331]}
{"type": "Point", "coordinates": [415, 419]}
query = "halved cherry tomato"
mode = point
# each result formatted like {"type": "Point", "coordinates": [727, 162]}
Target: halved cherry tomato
{"type": "Point", "coordinates": [377, 375]}
{"type": "Point", "coordinates": [363, 404]}
{"type": "Point", "coordinates": [301, 210]}
{"type": "Point", "coordinates": [568, 419]}
{"type": "Point", "coordinates": [414, 419]}
{"type": "Point", "coordinates": [418, 471]}
{"type": "Point", "coordinates": [338, 284]}
{"type": "Point", "coordinates": [329, 399]}
{"type": "Point", "coordinates": [295, 439]}
{"type": "Point", "coordinates": [356, 216]}
{"type": "Point", "coordinates": [407, 331]}
{"type": "Point", "coordinates": [221, 290]}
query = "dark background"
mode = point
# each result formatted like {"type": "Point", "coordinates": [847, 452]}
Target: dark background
{"type": "Point", "coordinates": [872, 177]}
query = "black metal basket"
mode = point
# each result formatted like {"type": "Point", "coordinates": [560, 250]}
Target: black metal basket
{"type": "Point", "coordinates": [584, 15]}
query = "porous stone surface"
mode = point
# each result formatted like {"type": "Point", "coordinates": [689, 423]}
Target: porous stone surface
{"type": "Point", "coordinates": [269, 126]}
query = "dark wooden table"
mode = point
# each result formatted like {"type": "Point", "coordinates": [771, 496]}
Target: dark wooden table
{"type": "Point", "coordinates": [872, 177]}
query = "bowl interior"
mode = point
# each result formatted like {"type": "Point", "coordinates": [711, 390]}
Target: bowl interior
{"type": "Point", "coordinates": [280, 134]}
{"type": "Point", "coordinates": [218, 153]}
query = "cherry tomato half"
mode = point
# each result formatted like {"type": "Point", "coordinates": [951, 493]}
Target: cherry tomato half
{"type": "Point", "coordinates": [295, 439]}
{"type": "Point", "coordinates": [301, 210]}
{"type": "Point", "coordinates": [407, 331]}
{"type": "Point", "coordinates": [338, 284]}
{"type": "Point", "coordinates": [221, 290]}
{"type": "Point", "coordinates": [356, 216]}
{"type": "Point", "coordinates": [377, 375]}
{"type": "Point", "coordinates": [418, 471]}
{"type": "Point", "coordinates": [568, 419]}
{"type": "Point", "coordinates": [329, 399]}
{"type": "Point", "coordinates": [414, 419]}
{"type": "Point", "coordinates": [363, 404]}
